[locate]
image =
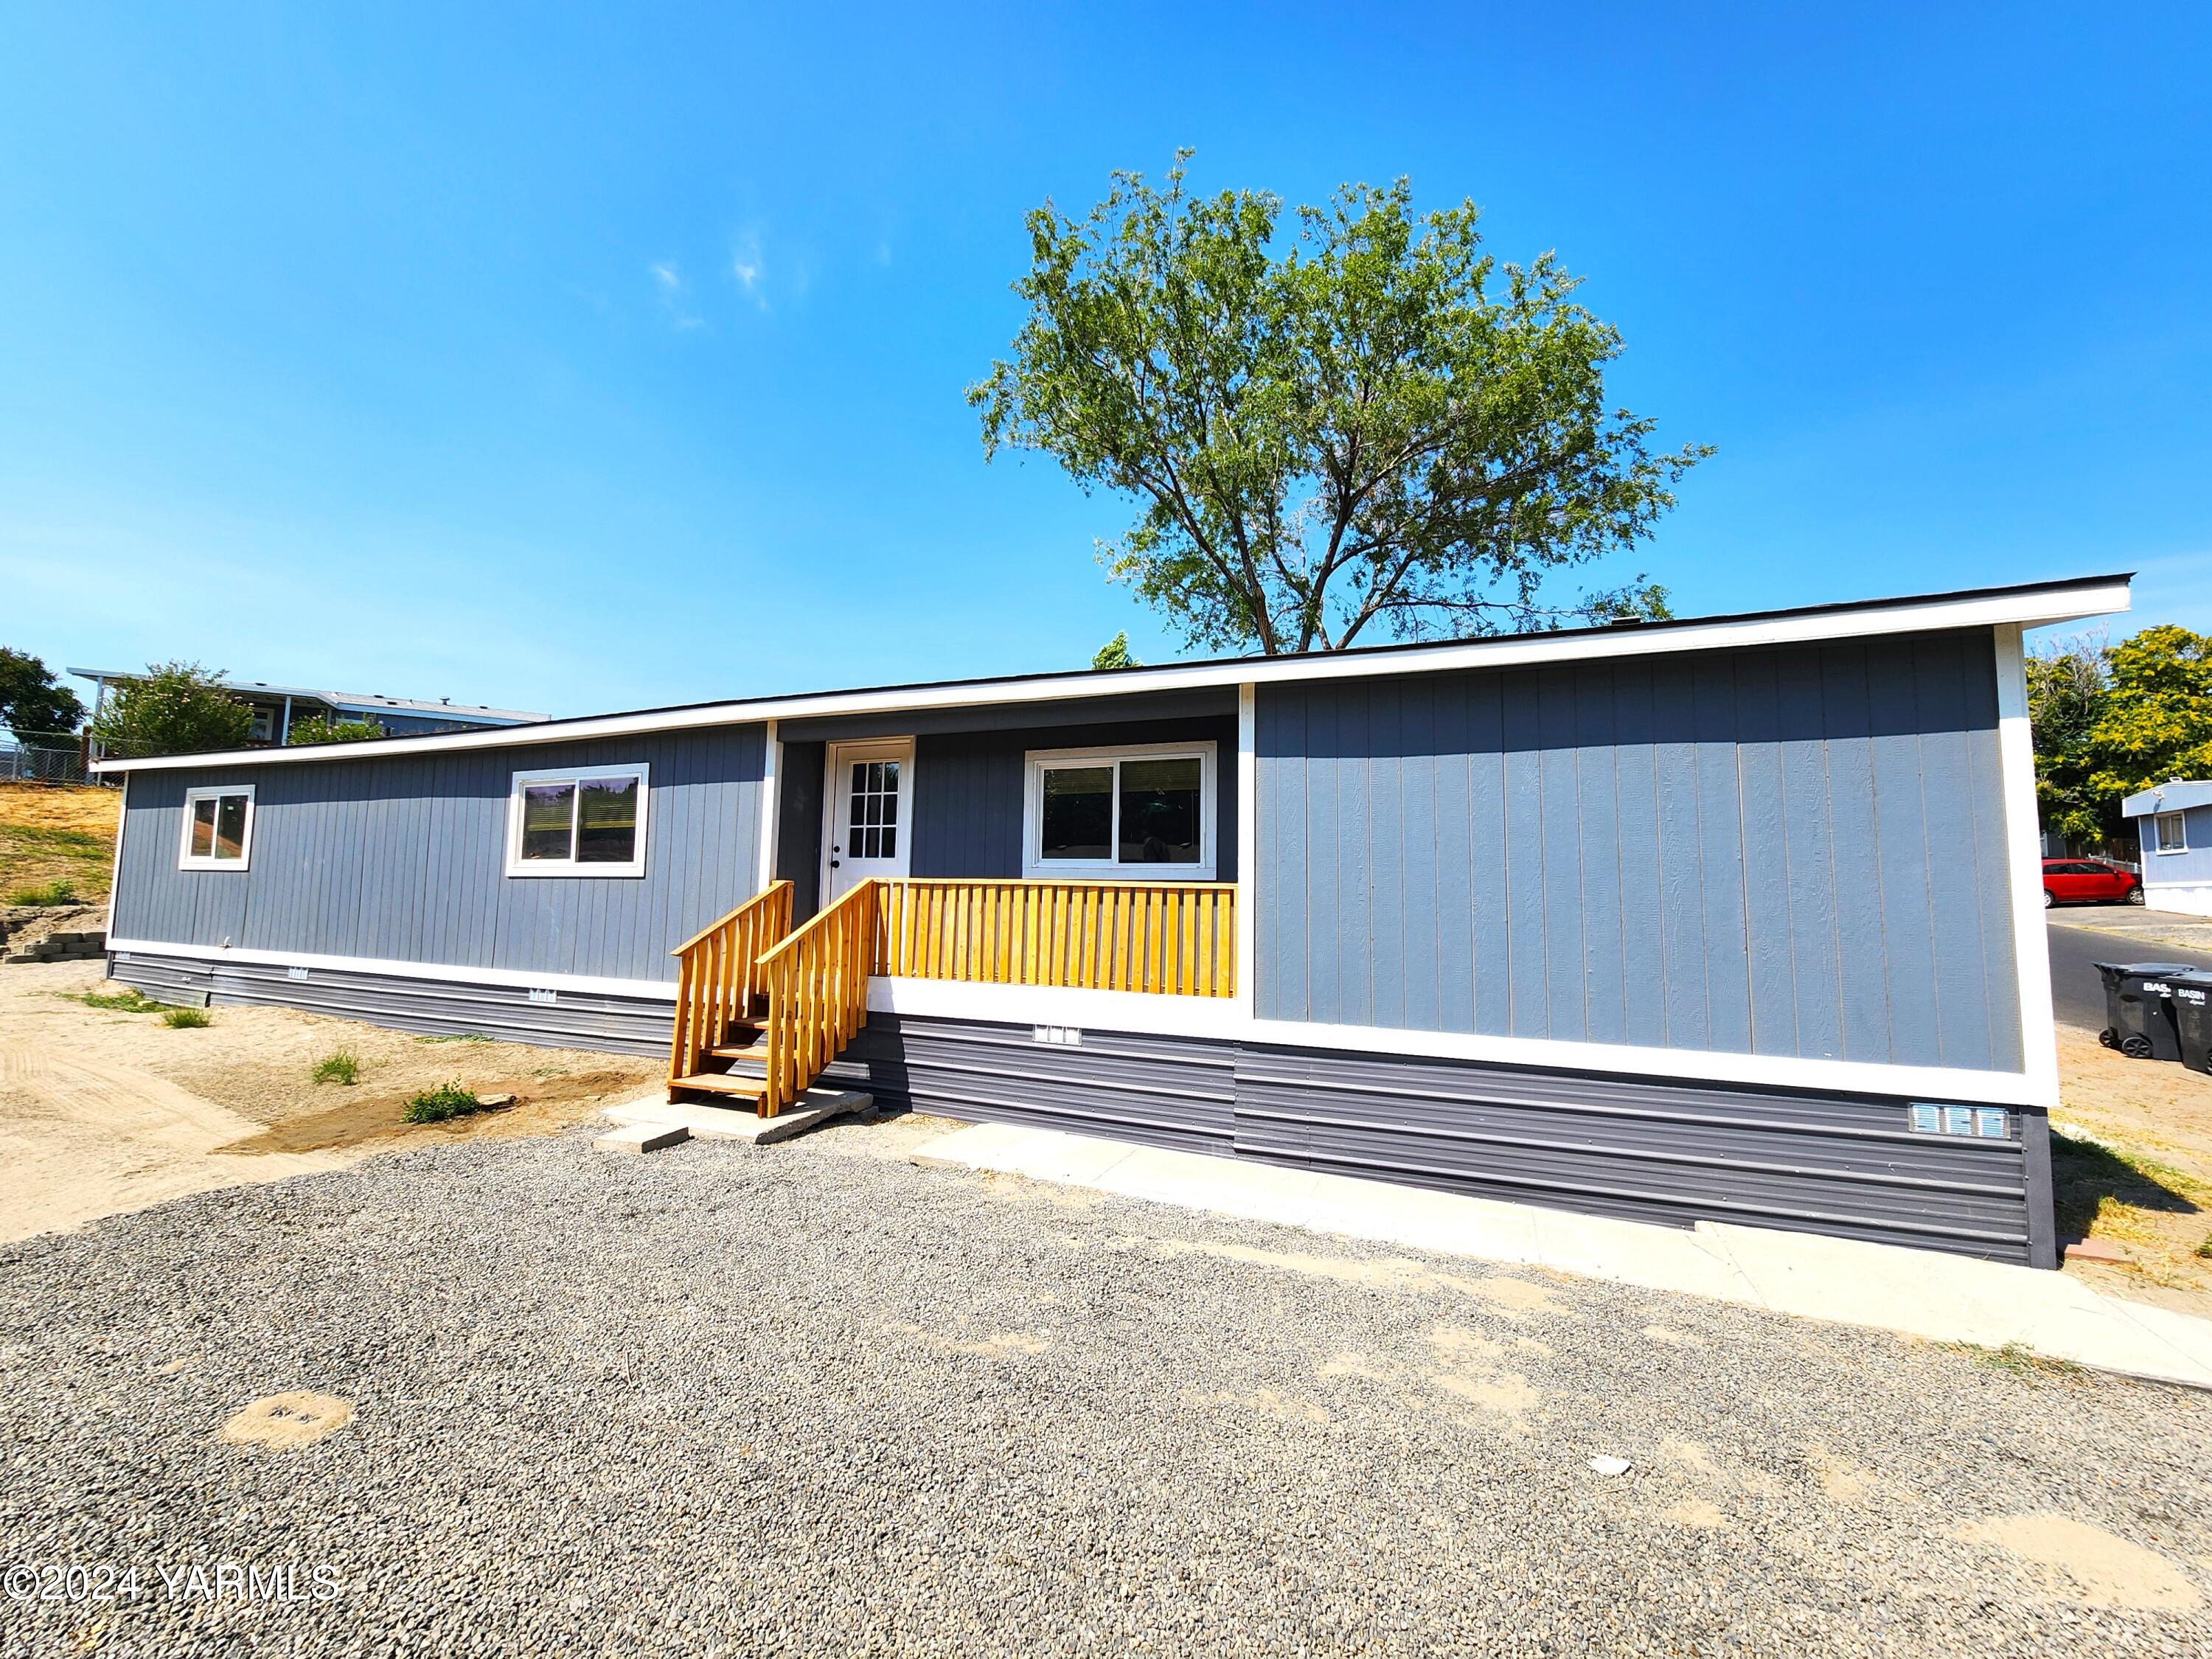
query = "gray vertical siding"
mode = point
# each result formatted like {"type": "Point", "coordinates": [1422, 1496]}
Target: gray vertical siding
{"type": "Point", "coordinates": [799, 825]}
{"type": "Point", "coordinates": [404, 860]}
{"type": "Point", "coordinates": [1787, 851]}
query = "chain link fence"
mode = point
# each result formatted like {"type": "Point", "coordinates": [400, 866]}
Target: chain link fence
{"type": "Point", "coordinates": [43, 758]}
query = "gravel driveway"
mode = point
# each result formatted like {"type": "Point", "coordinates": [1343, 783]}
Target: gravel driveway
{"type": "Point", "coordinates": [814, 1400]}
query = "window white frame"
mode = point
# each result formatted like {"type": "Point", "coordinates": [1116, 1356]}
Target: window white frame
{"type": "Point", "coordinates": [1036, 867]}
{"type": "Point", "coordinates": [518, 865]}
{"type": "Point", "coordinates": [186, 858]}
{"type": "Point", "coordinates": [2178, 841]}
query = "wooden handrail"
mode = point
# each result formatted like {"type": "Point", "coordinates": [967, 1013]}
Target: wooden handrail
{"type": "Point", "coordinates": [1176, 938]}
{"type": "Point", "coordinates": [817, 992]}
{"type": "Point", "coordinates": [1170, 938]}
{"type": "Point", "coordinates": [718, 974]}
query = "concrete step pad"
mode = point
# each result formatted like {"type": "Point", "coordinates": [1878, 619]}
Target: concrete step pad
{"type": "Point", "coordinates": [642, 1138]}
{"type": "Point", "coordinates": [703, 1122]}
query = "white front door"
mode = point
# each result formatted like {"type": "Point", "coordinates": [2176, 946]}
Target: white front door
{"type": "Point", "coordinates": [868, 824]}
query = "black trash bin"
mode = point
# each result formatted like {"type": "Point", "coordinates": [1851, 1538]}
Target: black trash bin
{"type": "Point", "coordinates": [2192, 1001]}
{"type": "Point", "coordinates": [2139, 1009]}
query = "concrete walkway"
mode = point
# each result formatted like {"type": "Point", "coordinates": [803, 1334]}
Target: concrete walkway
{"type": "Point", "coordinates": [2136, 922]}
{"type": "Point", "coordinates": [1944, 1298]}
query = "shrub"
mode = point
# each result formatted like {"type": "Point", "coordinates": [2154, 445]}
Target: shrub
{"type": "Point", "coordinates": [447, 1100]}
{"type": "Point", "coordinates": [130, 1000]}
{"type": "Point", "coordinates": [54, 892]}
{"type": "Point", "coordinates": [173, 708]}
{"type": "Point", "coordinates": [320, 730]}
{"type": "Point", "coordinates": [185, 1019]}
{"type": "Point", "coordinates": [339, 1065]}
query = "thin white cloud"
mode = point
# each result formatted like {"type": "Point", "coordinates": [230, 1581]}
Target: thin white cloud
{"type": "Point", "coordinates": [751, 270]}
{"type": "Point", "coordinates": [675, 295]}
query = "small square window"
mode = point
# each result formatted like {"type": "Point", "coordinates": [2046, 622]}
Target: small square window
{"type": "Point", "coordinates": [218, 828]}
{"type": "Point", "coordinates": [2173, 833]}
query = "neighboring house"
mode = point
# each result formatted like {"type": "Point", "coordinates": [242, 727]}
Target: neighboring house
{"type": "Point", "coordinates": [1732, 919]}
{"type": "Point", "coordinates": [278, 708]}
{"type": "Point", "coordinates": [2174, 823]}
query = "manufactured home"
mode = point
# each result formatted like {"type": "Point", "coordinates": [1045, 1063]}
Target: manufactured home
{"type": "Point", "coordinates": [1733, 918]}
{"type": "Point", "coordinates": [2173, 824]}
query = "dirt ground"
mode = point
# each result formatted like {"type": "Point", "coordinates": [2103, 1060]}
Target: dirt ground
{"type": "Point", "coordinates": [105, 1111]}
{"type": "Point", "coordinates": [2131, 1155]}
{"type": "Point", "coordinates": [52, 832]}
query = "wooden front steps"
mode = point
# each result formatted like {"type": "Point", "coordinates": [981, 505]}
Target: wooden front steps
{"type": "Point", "coordinates": [720, 1083]}
{"type": "Point", "coordinates": [737, 1066]}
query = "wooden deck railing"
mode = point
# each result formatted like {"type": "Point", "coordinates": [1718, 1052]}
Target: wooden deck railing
{"type": "Point", "coordinates": [718, 974]}
{"type": "Point", "coordinates": [817, 992]}
{"type": "Point", "coordinates": [1177, 937]}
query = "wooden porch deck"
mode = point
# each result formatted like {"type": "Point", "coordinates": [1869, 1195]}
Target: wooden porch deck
{"type": "Point", "coordinates": [761, 1009]}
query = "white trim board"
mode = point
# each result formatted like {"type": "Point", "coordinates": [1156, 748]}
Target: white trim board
{"type": "Point", "coordinates": [446, 973]}
{"type": "Point", "coordinates": [2030, 606]}
{"type": "Point", "coordinates": [115, 867]}
{"type": "Point", "coordinates": [1248, 845]}
{"type": "Point", "coordinates": [1220, 1018]}
{"type": "Point", "coordinates": [771, 804]}
{"type": "Point", "coordinates": [1142, 1011]}
{"type": "Point", "coordinates": [2031, 944]}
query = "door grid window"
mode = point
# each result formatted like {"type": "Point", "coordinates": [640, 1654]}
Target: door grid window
{"type": "Point", "coordinates": [872, 826]}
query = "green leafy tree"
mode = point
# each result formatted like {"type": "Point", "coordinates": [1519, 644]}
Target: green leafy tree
{"type": "Point", "coordinates": [176, 709]}
{"type": "Point", "coordinates": [322, 730]}
{"type": "Point", "coordinates": [1370, 423]}
{"type": "Point", "coordinates": [2155, 723]}
{"type": "Point", "coordinates": [2067, 690]}
{"type": "Point", "coordinates": [1115, 653]}
{"type": "Point", "coordinates": [32, 702]}
{"type": "Point", "coordinates": [2111, 721]}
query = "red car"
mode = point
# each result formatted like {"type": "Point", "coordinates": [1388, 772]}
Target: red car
{"type": "Point", "coordinates": [2085, 881]}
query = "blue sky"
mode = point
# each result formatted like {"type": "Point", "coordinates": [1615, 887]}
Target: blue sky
{"type": "Point", "coordinates": [613, 356]}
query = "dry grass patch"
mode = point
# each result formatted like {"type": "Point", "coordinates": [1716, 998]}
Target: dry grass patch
{"type": "Point", "coordinates": [2131, 1160]}
{"type": "Point", "coordinates": [55, 836]}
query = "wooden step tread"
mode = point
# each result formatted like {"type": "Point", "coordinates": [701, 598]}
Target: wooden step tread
{"type": "Point", "coordinates": [721, 1083]}
{"type": "Point", "coordinates": [755, 1050]}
